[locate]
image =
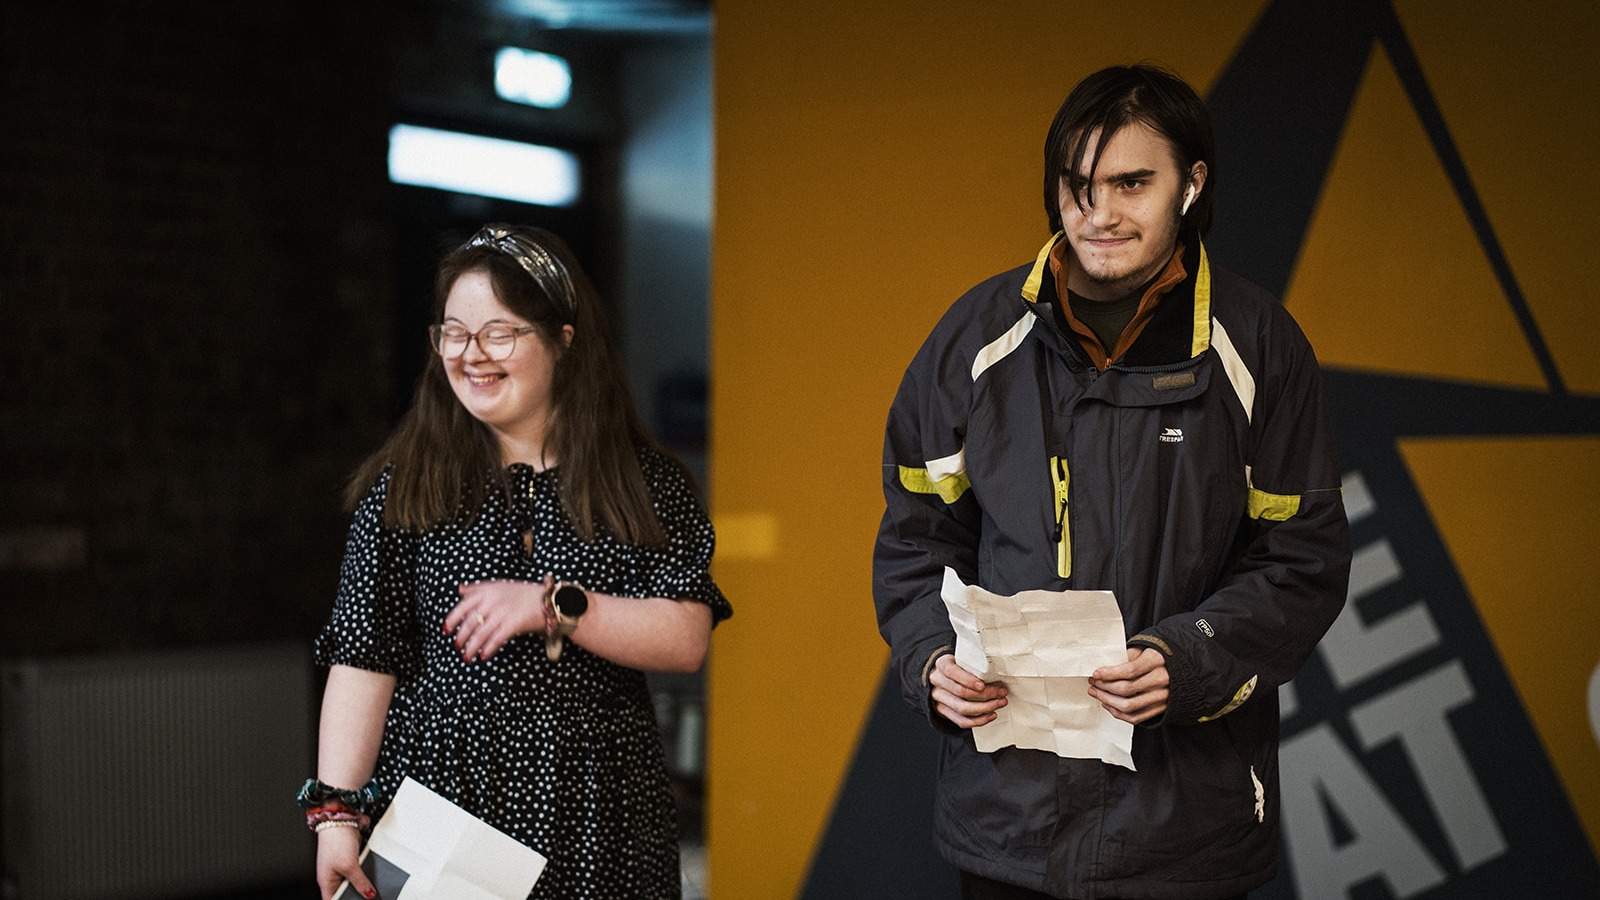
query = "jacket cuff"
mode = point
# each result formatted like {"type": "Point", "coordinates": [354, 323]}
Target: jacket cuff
{"type": "Point", "coordinates": [1184, 691]}
{"type": "Point", "coordinates": [939, 723]}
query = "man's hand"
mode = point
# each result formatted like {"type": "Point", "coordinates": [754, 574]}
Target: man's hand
{"type": "Point", "coordinates": [1135, 691]}
{"type": "Point", "coordinates": [962, 697]}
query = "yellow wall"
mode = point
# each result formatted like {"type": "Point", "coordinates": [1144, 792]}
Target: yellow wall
{"type": "Point", "coordinates": [1391, 249]}
{"type": "Point", "coordinates": [1519, 94]}
{"type": "Point", "coordinates": [873, 160]}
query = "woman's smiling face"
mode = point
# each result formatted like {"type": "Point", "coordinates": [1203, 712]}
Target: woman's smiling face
{"type": "Point", "coordinates": [512, 395]}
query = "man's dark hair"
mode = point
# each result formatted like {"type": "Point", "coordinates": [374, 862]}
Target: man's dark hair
{"type": "Point", "coordinates": [1115, 97]}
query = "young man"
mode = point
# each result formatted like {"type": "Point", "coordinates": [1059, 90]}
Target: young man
{"type": "Point", "coordinates": [1119, 415]}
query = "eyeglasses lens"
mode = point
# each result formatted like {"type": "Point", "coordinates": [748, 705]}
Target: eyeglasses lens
{"type": "Point", "coordinates": [451, 341]}
{"type": "Point", "coordinates": [497, 343]}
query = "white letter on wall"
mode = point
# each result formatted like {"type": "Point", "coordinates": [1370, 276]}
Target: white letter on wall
{"type": "Point", "coordinates": [1315, 768]}
{"type": "Point", "coordinates": [1415, 714]}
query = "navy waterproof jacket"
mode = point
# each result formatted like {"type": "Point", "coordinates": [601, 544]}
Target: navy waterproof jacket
{"type": "Point", "coordinates": [1196, 478]}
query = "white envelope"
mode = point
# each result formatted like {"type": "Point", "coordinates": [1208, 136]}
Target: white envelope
{"type": "Point", "coordinates": [427, 848]}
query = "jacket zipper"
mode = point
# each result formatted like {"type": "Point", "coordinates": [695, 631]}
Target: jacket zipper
{"type": "Point", "coordinates": [1061, 535]}
{"type": "Point", "coordinates": [1068, 346]}
{"type": "Point", "coordinates": [1058, 465]}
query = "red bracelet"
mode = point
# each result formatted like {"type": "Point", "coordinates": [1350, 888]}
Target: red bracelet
{"type": "Point", "coordinates": [333, 807]}
{"type": "Point", "coordinates": [336, 813]}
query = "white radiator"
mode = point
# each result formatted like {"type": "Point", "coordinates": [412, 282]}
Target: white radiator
{"type": "Point", "coordinates": [155, 775]}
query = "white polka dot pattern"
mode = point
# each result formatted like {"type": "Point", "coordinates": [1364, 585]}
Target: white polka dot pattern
{"type": "Point", "coordinates": [563, 756]}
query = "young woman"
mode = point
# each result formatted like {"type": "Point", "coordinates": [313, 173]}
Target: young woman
{"type": "Point", "coordinates": [521, 554]}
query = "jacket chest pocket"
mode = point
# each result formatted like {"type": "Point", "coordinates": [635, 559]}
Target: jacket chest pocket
{"type": "Point", "coordinates": [1141, 472]}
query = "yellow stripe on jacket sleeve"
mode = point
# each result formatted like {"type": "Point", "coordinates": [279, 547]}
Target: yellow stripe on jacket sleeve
{"type": "Point", "coordinates": [946, 477]}
{"type": "Point", "coordinates": [1239, 697]}
{"type": "Point", "coordinates": [1273, 507]}
{"type": "Point", "coordinates": [918, 481]}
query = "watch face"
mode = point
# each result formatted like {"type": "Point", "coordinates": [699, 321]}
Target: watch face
{"type": "Point", "coordinates": [570, 601]}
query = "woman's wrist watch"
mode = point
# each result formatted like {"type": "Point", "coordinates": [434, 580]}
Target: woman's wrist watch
{"type": "Point", "coordinates": [566, 604]}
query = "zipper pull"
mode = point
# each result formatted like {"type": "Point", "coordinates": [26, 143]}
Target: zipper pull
{"type": "Point", "coordinates": [1061, 498]}
{"type": "Point", "coordinates": [1062, 478]}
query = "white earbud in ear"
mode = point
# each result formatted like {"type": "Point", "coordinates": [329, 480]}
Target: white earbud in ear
{"type": "Point", "coordinates": [1188, 198]}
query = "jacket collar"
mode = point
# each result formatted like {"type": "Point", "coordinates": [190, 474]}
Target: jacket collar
{"type": "Point", "coordinates": [1181, 327]}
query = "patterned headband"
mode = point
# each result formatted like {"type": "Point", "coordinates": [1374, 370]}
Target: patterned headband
{"type": "Point", "coordinates": [535, 260]}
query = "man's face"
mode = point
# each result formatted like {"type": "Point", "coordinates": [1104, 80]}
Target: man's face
{"type": "Point", "coordinates": [1128, 235]}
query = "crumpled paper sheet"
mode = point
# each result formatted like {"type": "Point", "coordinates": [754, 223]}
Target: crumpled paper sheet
{"type": "Point", "coordinates": [1043, 645]}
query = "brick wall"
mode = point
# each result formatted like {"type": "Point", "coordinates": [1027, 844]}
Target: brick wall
{"type": "Point", "coordinates": [195, 276]}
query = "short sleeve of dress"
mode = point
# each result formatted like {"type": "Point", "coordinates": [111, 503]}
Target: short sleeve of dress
{"type": "Point", "coordinates": [372, 622]}
{"type": "Point", "coordinates": [682, 569]}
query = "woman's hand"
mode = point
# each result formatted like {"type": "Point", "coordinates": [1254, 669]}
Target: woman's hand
{"type": "Point", "coordinates": [652, 634]}
{"type": "Point", "coordinates": [493, 612]}
{"type": "Point", "coordinates": [338, 859]}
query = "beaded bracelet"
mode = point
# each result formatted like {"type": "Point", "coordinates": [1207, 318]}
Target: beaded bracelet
{"type": "Point", "coordinates": [335, 823]}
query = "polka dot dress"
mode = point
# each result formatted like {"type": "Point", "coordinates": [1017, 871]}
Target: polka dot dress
{"type": "Point", "coordinates": [563, 756]}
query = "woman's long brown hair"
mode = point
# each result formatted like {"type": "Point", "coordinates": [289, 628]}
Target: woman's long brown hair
{"type": "Point", "coordinates": [442, 461]}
